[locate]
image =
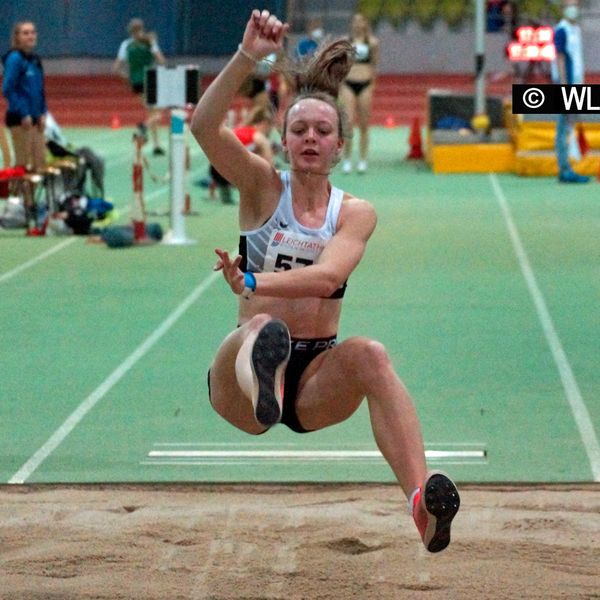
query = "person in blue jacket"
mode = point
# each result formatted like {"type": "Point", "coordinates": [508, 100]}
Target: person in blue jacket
{"type": "Point", "coordinates": [309, 43]}
{"type": "Point", "coordinates": [567, 69]}
{"type": "Point", "coordinates": [23, 87]}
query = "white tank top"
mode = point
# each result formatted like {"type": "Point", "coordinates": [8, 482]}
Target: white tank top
{"type": "Point", "coordinates": [283, 243]}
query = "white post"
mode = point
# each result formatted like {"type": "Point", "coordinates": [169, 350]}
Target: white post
{"type": "Point", "coordinates": [177, 168]}
{"type": "Point", "coordinates": [480, 107]}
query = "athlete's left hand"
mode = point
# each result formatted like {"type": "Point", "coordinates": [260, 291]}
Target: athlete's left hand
{"type": "Point", "coordinates": [231, 270]}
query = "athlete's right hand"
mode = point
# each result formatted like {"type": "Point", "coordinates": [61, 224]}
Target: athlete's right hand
{"type": "Point", "coordinates": [231, 270]}
{"type": "Point", "coordinates": [264, 34]}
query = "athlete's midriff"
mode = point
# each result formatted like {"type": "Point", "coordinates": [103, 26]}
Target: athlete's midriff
{"type": "Point", "coordinates": [361, 72]}
{"type": "Point", "coordinates": [305, 317]}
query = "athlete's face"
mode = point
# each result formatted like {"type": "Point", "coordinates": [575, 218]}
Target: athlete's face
{"type": "Point", "coordinates": [312, 136]}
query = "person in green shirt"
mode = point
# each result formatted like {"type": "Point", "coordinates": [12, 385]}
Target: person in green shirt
{"type": "Point", "coordinates": [138, 52]}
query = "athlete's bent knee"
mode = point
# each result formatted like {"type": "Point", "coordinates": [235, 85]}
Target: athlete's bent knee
{"type": "Point", "coordinates": [375, 362]}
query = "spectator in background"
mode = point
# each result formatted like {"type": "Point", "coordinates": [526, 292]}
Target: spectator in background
{"type": "Point", "coordinates": [137, 53]}
{"type": "Point", "coordinates": [495, 18]}
{"type": "Point", "coordinates": [357, 92]}
{"type": "Point", "coordinates": [23, 87]}
{"type": "Point", "coordinates": [314, 35]}
{"type": "Point", "coordinates": [567, 69]}
{"type": "Point", "coordinates": [254, 135]}
{"type": "Point", "coordinates": [264, 87]}
{"type": "Point", "coordinates": [509, 26]}
{"type": "Point", "coordinates": [4, 148]}
{"type": "Point", "coordinates": [277, 85]}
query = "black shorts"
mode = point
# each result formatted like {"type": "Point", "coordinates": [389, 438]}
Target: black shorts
{"type": "Point", "coordinates": [137, 88]}
{"type": "Point", "coordinates": [14, 120]}
{"type": "Point", "coordinates": [303, 352]}
{"type": "Point", "coordinates": [357, 87]}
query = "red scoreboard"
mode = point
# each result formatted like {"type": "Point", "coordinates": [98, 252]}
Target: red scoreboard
{"type": "Point", "coordinates": [533, 43]}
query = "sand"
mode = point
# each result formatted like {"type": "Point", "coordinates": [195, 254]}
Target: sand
{"type": "Point", "coordinates": [293, 542]}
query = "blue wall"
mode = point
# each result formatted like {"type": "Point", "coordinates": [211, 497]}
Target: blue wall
{"type": "Point", "coordinates": [97, 27]}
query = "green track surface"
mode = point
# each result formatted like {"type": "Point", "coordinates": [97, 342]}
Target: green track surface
{"type": "Point", "coordinates": [440, 286]}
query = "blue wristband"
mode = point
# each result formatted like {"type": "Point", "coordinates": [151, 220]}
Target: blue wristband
{"type": "Point", "coordinates": [250, 281]}
{"type": "Point", "coordinates": [249, 286]}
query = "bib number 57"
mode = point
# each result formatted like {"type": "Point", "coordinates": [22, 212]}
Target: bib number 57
{"type": "Point", "coordinates": [285, 262]}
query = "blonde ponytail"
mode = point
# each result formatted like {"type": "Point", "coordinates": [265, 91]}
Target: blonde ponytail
{"type": "Point", "coordinates": [325, 70]}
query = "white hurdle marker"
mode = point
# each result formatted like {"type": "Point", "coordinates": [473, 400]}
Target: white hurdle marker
{"type": "Point", "coordinates": [176, 235]}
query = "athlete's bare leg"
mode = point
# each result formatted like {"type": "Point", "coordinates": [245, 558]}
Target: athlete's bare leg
{"type": "Point", "coordinates": [335, 384]}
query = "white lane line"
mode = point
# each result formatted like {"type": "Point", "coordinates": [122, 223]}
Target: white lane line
{"type": "Point", "coordinates": [257, 445]}
{"type": "Point", "coordinates": [306, 454]}
{"type": "Point", "coordinates": [279, 461]}
{"type": "Point", "coordinates": [32, 262]}
{"type": "Point", "coordinates": [574, 397]}
{"type": "Point", "coordinates": [86, 406]}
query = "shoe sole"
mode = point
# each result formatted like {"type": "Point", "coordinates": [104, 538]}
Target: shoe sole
{"type": "Point", "coordinates": [270, 354]}
{"type": "Point", "coordinates": [573, 180]}
{"type": "Point", "coordinates": [442, 503]}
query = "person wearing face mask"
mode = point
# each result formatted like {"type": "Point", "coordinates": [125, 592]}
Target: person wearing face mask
{"type": "Point", "coordinates": [567, 69]}
{"type": "Point", "coordinates": [314, 35]}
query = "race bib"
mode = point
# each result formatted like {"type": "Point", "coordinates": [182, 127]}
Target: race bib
{"type": "Point", "coordinates": [291, 250]}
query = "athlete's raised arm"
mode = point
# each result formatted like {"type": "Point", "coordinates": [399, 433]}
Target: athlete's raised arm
{"type": "Point", "coordinates": [263, 35]}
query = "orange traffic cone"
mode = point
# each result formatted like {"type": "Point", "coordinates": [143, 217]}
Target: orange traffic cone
{"type": "Point", "coordinates": [416, 150]}
{"type": "Point", "coordinates": [115, 122]}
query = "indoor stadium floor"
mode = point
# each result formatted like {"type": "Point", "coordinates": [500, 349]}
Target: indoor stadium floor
{"type": "Point", "coordinates": [484, 288]}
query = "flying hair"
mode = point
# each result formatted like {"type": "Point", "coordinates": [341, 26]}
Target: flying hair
{"type": "Point", "coordinates": [325, 70]}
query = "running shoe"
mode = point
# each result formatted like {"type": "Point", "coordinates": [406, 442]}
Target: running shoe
{"type": "Point", "coordinates": [440, 502]}
{"type": "Point", "coordinates": [270, 354]}
{"type": "Point", "coordinates": [35, 232]}
{"type": "Point", "coordinates": [572, 177]}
